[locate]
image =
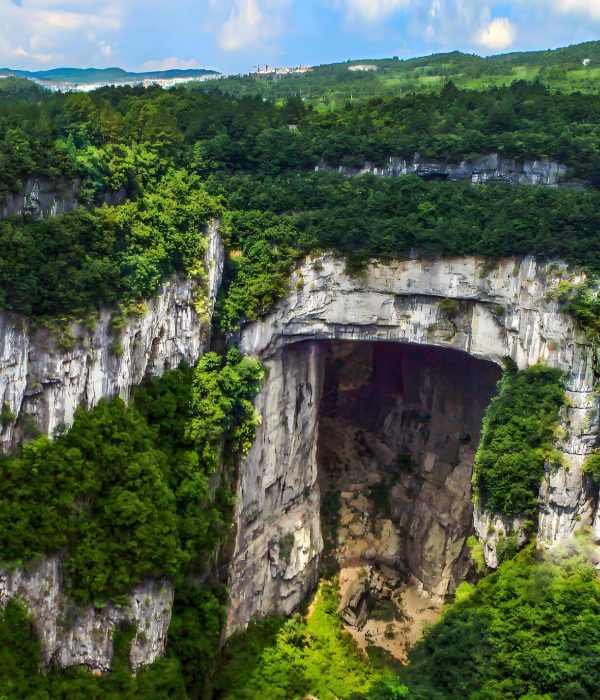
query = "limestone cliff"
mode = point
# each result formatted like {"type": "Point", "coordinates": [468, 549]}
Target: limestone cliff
{"type": "Point", "coordinates": [280, 466]}
{"type": "Point", "coordinates": [40, 198]}
{"type": "Point", "coordinates": [398, 429]}
{"type": "Point", "coordinates": [490, 168]}
{"type": "Point", "coordinates": [495, 311]}
{"type": "Point", "coordinates": [41, 385]}
{"type": "Point", "coordinates": [72, 636]}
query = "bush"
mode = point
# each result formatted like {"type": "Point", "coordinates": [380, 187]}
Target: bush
{"type": "Point", "coordinates": [517, 439]}
{"type": "Point", "coordinates": [125, 492]}
{"type": "Point", "coordinates": [530, 629]}
{"type": "Point", "coordinates": [279, 659]}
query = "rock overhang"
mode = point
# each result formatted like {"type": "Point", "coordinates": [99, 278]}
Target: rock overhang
{"type": "Point", "coordinates": [490, 310]}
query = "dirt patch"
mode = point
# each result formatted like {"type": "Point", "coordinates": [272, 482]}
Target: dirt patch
{"type": "Point", "coordinates": [396, 618]}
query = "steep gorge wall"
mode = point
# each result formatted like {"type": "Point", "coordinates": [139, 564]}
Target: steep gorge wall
{"type": "Point", "coordinates": [40, 198]}
{"type": "Point", "coordinates": [489, 168]}
{"type": "Point", "coordinates": [398, 430]}
{"type": "Point", "coordinates": [42, 384]}
{"type": "Point", "coordinates": [281, 465]}
{"type": "Point", "coordinates": [503, 311]}
{"type": "Point", "coordinates": [72, 636]}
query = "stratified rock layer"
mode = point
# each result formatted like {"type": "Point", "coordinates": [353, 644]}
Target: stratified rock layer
{"type": "Point", "coordinates": [497, 311]}
{"type": "Point", "coordinates": [490, 168]}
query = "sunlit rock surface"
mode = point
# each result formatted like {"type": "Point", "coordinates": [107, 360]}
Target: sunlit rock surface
{"type": "Point", "coordinates": [496, 311]}
{"type": "Point", "coordinates": [42, 383]}
{"type": "Point", "coordinates": [70, 636]}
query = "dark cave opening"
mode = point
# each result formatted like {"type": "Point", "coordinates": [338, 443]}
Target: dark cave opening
{"type": "Point", "coordinates": [399, 426]}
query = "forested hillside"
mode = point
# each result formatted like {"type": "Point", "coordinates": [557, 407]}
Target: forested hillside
{"type": "Point", "coordinates": [183, 157]}
{"type": "Point", "coordinates": [146, 489]}
{"type": "Point", "coordinates": [561, 70]}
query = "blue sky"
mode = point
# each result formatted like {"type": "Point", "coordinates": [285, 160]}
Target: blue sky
{"type": "Point", "coordinates": [235, 35]}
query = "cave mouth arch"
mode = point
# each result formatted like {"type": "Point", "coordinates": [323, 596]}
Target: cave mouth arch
{"type": "Point", "coordinates": [399, 425]}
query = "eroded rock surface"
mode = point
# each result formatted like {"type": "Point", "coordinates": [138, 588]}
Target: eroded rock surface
{"type": "Point", "coordinates": [71, 636]}
{"type": "Point", "coordinates": [42, 383]}
{"type": "Point", "coordinates": [277, 514]}
{"type": "Point", "coordinates": [40, 198]}
{"type": "Point", "coordinates": [490, 168]}
{"type": "Point", "coordinates": [399, 428]}
{"type": "Point", "coordinates": [488, 311]}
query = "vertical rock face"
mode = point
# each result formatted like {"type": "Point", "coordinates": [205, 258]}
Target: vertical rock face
{"type": "Point", "coordinates": [73, 637]}
{"type": "Point", "coordinates": [399, 427]}
{"type": "Point", "coordinates": [42, 383]}
{"type": "Point", "coordinates": [41, 386]}
{"type": "Point", "coordinates": [279, 535]}
{"type": "Point", "coordinates": [40, 198]}
{"type": "Point", "coordinates": [490, 168]}
{"type": "Point", "coordinates": [489, 312]}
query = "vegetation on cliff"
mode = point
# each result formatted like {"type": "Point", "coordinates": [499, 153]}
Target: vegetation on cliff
{"type": "Point", "coordinates": [167, 150]}
{"type": "Point", "coordinates": [517, 439]}
{"type": "Point", "coordinates": [69, 265]}
{"type": "Point", "coordinates": [274, 221]}
{"type": "Point", "coordinates": [124, 493]}
{"type": "Point", "coordinates": [284, 659]}
{"type": "Point", "coordinates": [530, 630]}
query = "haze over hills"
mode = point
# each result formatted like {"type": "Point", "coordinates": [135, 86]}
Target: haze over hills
{"type": "Point", "coordinates": [568, 69]}
{"type": "Point", "coordinates": [86, 76]}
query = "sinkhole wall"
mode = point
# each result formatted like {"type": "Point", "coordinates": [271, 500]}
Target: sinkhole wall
{"type": "Point", "coordinates": [500, 311]}
{"type": "Point", "coordinates": [399, 426]}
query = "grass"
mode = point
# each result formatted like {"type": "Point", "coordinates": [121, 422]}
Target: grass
{"type": "Point", "coordinates": [287, 660]}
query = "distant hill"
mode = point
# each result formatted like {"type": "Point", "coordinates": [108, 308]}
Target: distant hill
{"type": "Point", "coordinates": [85, 76]}
{"type": "Point", "coordinates": [559, 69]}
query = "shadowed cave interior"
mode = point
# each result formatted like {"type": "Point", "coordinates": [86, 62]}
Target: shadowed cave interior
{"type": "Point", "coordinates": [399, 426]}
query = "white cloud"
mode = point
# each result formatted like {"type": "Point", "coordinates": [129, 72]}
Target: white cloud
{"type": "Point", "coordinates": [57, 31]}
{"type": "Point", "coordinates": [500, 33]}
{"type": "Point", "coordinates": [171, 64]}
{"type": "Point", "coordinates": [106, 49]}
{"type": "Point", "coordinates": [588, 7]}
{"type": "Point", "coordinates": [373, 11]}
{"type": "Point", "coordinates": [20, 52]}
{"type": "Point", "coordinates": [248, 25]}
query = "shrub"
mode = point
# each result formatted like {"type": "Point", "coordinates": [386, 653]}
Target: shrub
{"type": "Point", "coordinates": [517, 439]}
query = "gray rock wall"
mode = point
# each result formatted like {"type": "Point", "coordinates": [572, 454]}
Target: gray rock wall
{"type": "Point", "coordinates": [490, 168]}
{"type": "Point", "coordinates": [504, 310]}
{"type": "Point", "coordinates": [278, 494]}
{"type": "Point", "coordinates": [72, 636]}
{"type": "Point", "coordinates": [399, 428]}
{"type": "Point", "coordinates": [40, 198]}
{"type": "Point", "coordinates": [42, 384]}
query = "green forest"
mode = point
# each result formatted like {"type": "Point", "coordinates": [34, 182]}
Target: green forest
{"type": "Point", "coordinates": [183, 157]}
{"type": "Point", "coordinates": [145, 488]}
{"type": "Point", "coordinates": [332, 85]}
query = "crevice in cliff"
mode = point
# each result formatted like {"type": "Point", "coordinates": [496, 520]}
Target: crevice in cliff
{"type": "Point", "coordinates": [399, 426]}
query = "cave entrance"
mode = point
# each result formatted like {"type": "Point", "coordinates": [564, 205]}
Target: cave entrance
{"type": "Point", "coordinates": [399, 425]}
